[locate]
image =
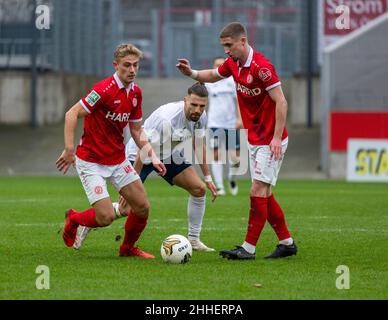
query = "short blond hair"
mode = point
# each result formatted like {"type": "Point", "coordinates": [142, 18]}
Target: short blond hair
{"type": "Point", "coordinates": [127, 49]}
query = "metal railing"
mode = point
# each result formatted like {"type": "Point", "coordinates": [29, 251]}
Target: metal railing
{"type": "Point", "coordinates": [16, 53]}
{"type": "Point", "coordinates": [85, 33]}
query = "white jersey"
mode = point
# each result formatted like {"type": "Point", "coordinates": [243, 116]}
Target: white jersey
{"type": "Point", "coordinates": [222, 104]}
{"type": "Point", "coordinates": [166, 128]}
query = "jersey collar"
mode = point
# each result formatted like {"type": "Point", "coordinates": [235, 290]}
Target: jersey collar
{"type": "Point", "coordinates": [249, 59]}
{"type": "Point", "coordinates": [121, 85]}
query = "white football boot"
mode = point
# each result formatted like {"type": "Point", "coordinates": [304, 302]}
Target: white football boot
{"type": "Point", "coordinates": [221, 192]}
{"type": "Point", "coordinates": [233, 188]}
{"type": "Point", "coordinates": [198, 245]}
{"type": "Point", "coordinates": [82, 233]}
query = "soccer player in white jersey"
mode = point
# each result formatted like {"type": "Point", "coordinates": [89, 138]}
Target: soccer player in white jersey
{"type": "Point", "coordinates": [223, 120]}
{"type": "Point", "coordinates": [167, 129]}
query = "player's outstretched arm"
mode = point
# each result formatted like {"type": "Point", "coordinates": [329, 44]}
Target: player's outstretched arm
{"type": "Point", "coordinates": [209, 75]}
{"type": "Point", "coordinates": [67, 157]}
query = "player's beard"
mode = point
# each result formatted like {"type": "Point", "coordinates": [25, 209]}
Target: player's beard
{"type": "Point", "coordinates": [195, 118]}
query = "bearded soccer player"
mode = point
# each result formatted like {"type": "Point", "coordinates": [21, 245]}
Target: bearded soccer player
{"type": "Point", "coordinates": [111, 105]}
{"type": "Point", "coordinates": [263, 110]}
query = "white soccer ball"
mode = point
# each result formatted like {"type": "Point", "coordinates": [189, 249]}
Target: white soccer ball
{"type": "Point", "coordinates": [176, 249]}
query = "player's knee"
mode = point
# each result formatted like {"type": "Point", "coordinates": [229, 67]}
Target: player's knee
{"type": "Point", "coordinates": [105, 220]}
{"type": "Point", "coordinates": [216, 155]}
{"type": "Point", "coordinates": [198, 190]}
{"type": "Point", "coordinates": [141, 209]}
{"type": "Point", "coordinates": [260, 189]}
{"type": "Point", "coordinates": [234, 160]}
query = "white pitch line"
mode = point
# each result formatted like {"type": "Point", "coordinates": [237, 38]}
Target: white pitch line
{"type": "Point", "coordinates": [45, 225]}
{"type": "Point", "coordinates": [346, 230]}
{"type": "Point", "coordinates": [25, 200]}
{"type": "Point", "coordinates": [169, 227]}
{"type": "Point", "coordinates": [39, 225]}
{"type": "Point", "coordinates": [203, 228]}
{"type": "Point", "coordinates": [210, 219]}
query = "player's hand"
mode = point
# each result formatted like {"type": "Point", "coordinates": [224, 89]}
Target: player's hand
{"type": "Point", "coordinates": [211, 186]}
{"type": "Point", "coordinates": [66, 160]}
{"type": "Point", "coordinates": [276, 148]}
{"type": "Point", "coordinates": [184, 66]}
{"type": "Point", "coordinates": [159, 166]}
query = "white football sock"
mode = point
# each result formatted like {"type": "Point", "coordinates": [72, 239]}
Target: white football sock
{"type": "Point", "coordinates": [195, 212]}
{"type": "Point", "coordinates": [117, 211]}
{"type": "Point", "coordinates": [287, 242]}
{"type": "Point", "coordinates": [233, 169]}
{"type": "Point", "coordinates": [249, 247]}
{"type": "Point", "coordinates": [218, 174]}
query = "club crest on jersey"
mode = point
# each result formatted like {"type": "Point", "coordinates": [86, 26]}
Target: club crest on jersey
{"type": "Point", "coordinates": [134, 102]}
{"type": "Point", "coordinates": [249, 78]}
{"type": "Point", "coordinates": [121, 117]}
{"type": "Point", "coordinates": [92, 98]}
{"type": "Point", "coordinates": [265, 74]}
{"type": "Point", "coordinates": [248, 91]}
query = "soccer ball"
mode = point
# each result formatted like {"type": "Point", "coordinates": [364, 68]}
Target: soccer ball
{"type": "Point", "coordinates": [176, 249]}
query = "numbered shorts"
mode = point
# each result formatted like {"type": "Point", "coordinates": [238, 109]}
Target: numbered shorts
{"type": "Point", "coordinates": [263, 167]}
{"type": "Point", "coordinates": [93, 177]}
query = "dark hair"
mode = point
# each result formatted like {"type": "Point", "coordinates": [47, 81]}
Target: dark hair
{"type": "Point", "coordinates": [198, 89]}
{"type": "Point", "coordinates": [233, 30]}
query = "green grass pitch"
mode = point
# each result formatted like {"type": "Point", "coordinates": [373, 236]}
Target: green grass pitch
{"type": "Point", "coordinates": [334, 223]}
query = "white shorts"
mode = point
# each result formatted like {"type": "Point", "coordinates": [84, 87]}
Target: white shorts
{"type": "Point", "coordinates": [93, 177]}
{"type": "Point", "coordinates": [263, 167]}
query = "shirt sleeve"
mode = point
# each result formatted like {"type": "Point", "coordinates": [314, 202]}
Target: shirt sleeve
{"type": "Point", "coordinates": [93, 99]}
{"type": "Point", "coordinates": [137, 111]}
{"type": "Point", "coordinates": [224, 70]}
{"type": "Point", "coordinates": [268, 76]}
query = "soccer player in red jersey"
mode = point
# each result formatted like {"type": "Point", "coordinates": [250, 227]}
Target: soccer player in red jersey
{"type": "Point", "coordinates": [263, 110]}
{"type": "Point", "coordinates": [109, 107]}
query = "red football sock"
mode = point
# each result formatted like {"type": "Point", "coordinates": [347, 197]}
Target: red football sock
{"type": "Point", "coordinates": [276, 219]}
{"type": "Point", "coordinates": [134, 226]}
{"type": "Point", "coordinates": [86, 218]}
{"type": "Point", "coordinates": [257, 219]}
